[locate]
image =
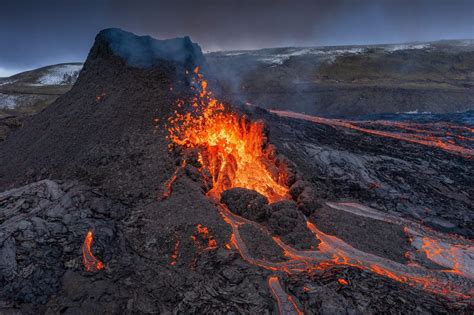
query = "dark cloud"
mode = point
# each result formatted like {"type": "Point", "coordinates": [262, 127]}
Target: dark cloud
{"type": "Point", "coordinates": [34, 33]}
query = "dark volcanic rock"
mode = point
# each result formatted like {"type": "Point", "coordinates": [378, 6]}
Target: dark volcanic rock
{"type": "Point", "coordinates": [372, 236]}
{"type": "Point", "coordinates": [146, 51]}
{"type": "Point", "coordinates": [415, 181]}
{"type": "Point", "coordinates": [282, 218]}
{"type": "Point", "coordinates": [42, 226]}
{"type": "Point", "coordinates": [174, 253]}
{"type": "Point", "coordinates": [246, 203]}
{"type": "Point", "coordinates": [289, 223]}
{"type": "Point", "coordinates": [7, 125]}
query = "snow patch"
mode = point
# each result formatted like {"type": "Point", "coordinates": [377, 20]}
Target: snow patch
{"type": "Point", "coordinates": [406, 46]}
{"type": "Point", "coordinates": [329, 54]}
{"type": "Point", "coordinates": [414, 112]}
{"type": "Point", "coordinates": [8, 101]}
{"type": "Point", "coordinates": [60, 75]}
{"type": "Point", "coordinates": [6, 82]}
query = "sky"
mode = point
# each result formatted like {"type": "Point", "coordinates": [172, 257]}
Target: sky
{"type": "Point", "coordinates": [41, 32]}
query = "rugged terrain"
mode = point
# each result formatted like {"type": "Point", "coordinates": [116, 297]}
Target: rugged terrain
{"type": "Point", "coordinates": [31, 91]}
{"type": "Point", "coordinates": [359, 227]}
{"type": "Point", "coordinates": [349, 81]}
{"type": "Point", "coordinates": [339, 81]}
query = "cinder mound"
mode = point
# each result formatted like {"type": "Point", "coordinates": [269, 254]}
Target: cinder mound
{"type": "Point", "coordinates": [283, 219]}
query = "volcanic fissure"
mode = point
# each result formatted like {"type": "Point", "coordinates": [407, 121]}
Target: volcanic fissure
{"type": "Point", "coordinates": [234, 152]}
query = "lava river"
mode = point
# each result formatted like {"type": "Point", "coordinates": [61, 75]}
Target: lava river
{"type": "Point", "coordinates": [232, 150]}
{"type": "Point", "coordinates": [459, 140]}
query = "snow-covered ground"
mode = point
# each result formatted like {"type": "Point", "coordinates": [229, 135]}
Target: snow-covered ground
{"type": "Point", "coordinates": [278, 56]}
{"type": "Point", "coordinates": [12, 101]}
{"type": "Point", "coordinates": [60, 75]}
{"type": "Point", "coordinates": [8, 101]}
{"type": "Point", "coordinates": [406, 46]}
{"type": "Point", "coordinates": [6, 82]}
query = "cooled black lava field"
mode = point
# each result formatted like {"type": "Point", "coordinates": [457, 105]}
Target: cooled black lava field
{"type": "Point", "coordinates": [146, 189]}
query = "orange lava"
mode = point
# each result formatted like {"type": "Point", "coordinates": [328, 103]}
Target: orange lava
{"type": "Point", "coordinates": [342, 281]}
{"type": "Point", "coordinates": [203, 239]}
{"type": "Point", "coordinates": [91, 263]}
{"type": "Point", "coordinates": [231, 147]}
{"type": "Point", "coordinates": [333, 251]}
{"type": "Point", "coordinates": [168, 189]}
{"type": "Point", "coordinates": [454, 257]}
{"type": "Point", "coordinates": [286, 303]}
{"type": "Point", "coordinates": [100, 97]}
{"type": "Point", "coordinates": [430, 138]}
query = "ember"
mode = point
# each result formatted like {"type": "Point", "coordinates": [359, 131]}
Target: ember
{"type": "Point", "coordinates": [174, 254]}
{"type": "Point", "coordinates": [231, 147]}
{"type": "Point", "coordinates": [91, 263]}
{"type": "Point", "coordinates": [342, 281]}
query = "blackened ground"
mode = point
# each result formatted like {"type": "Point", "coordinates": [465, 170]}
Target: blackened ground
{"type": "Point", "coordinates": [425, 184]}
{"type": "Point", "coordinates": [102, 137]}
{"type": "Point", "coordinates": [371, 236]}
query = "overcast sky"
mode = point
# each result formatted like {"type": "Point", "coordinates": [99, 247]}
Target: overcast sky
{"type": "Point", "coordinates": [41, 32]}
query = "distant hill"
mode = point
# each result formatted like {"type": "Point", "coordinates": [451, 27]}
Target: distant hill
{"type": "Point", "coordinates": [31, 91]}
{"type": "Point", "coordinates": [349, 81]}
{"type": "Point", "coordinates": [341, 81]}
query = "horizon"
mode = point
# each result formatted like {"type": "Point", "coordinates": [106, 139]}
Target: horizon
{"type": "Point", "coordinates": [64, 31]}
{"type": "Point", "coordinates": [4, 73]}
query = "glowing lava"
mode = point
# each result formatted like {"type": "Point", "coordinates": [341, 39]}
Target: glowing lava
{"type": "Point", "coordinates": [203, 239]}
{"type": "Point", "coordinates": [286, 303]}
{"type": "Point", "coordinates": [333, 251]}
{"type": "Point", "coordinates": [91, 263]}
{"type": "Point", "coordinates": [427, 135]}
{"type": "Point", "coordinates": [233, 151]}
{"type": "Point", "coordinates": [231, 147]}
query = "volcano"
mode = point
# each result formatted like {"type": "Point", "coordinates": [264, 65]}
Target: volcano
{"type": "Point", "coordinates": [145, 189]}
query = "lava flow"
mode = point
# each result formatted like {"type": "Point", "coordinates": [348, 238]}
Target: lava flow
{"type": "Point", "coordinates": [231, 147]}
{"type": "Point", "coordinates": [427, 135]}
{"type": "Point", "coordinates": [285, 302]}
{"type": "Point", "coordinates": [91, 263]}
{"type": "Point", "coordinates": [232, 150]}
{"type": "Point", "coordinates": [333, 251]}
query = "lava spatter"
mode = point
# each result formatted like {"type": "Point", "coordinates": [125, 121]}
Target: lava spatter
{"type": "Point", "coordinates": [231, 147]}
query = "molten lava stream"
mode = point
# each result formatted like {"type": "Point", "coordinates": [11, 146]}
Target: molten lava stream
{"type": "Point", "coordinates": [333, 251]}
{"type": "Point", "coordinates": [91, 263]}
{"type": "Point", "coordinates": [286, 304]}
{"type": "Point", "coordinates": [421, 138]}
{"type": "Point", "coordinates": [232, 150]}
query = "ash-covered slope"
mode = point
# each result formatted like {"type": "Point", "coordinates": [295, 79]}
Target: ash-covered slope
{"type": "Point", "coordinates": [103, 134]}
{"type": "Point", "coordinates": [110, 109]}
{"type": "Point", "coordinates": [97, 160]}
